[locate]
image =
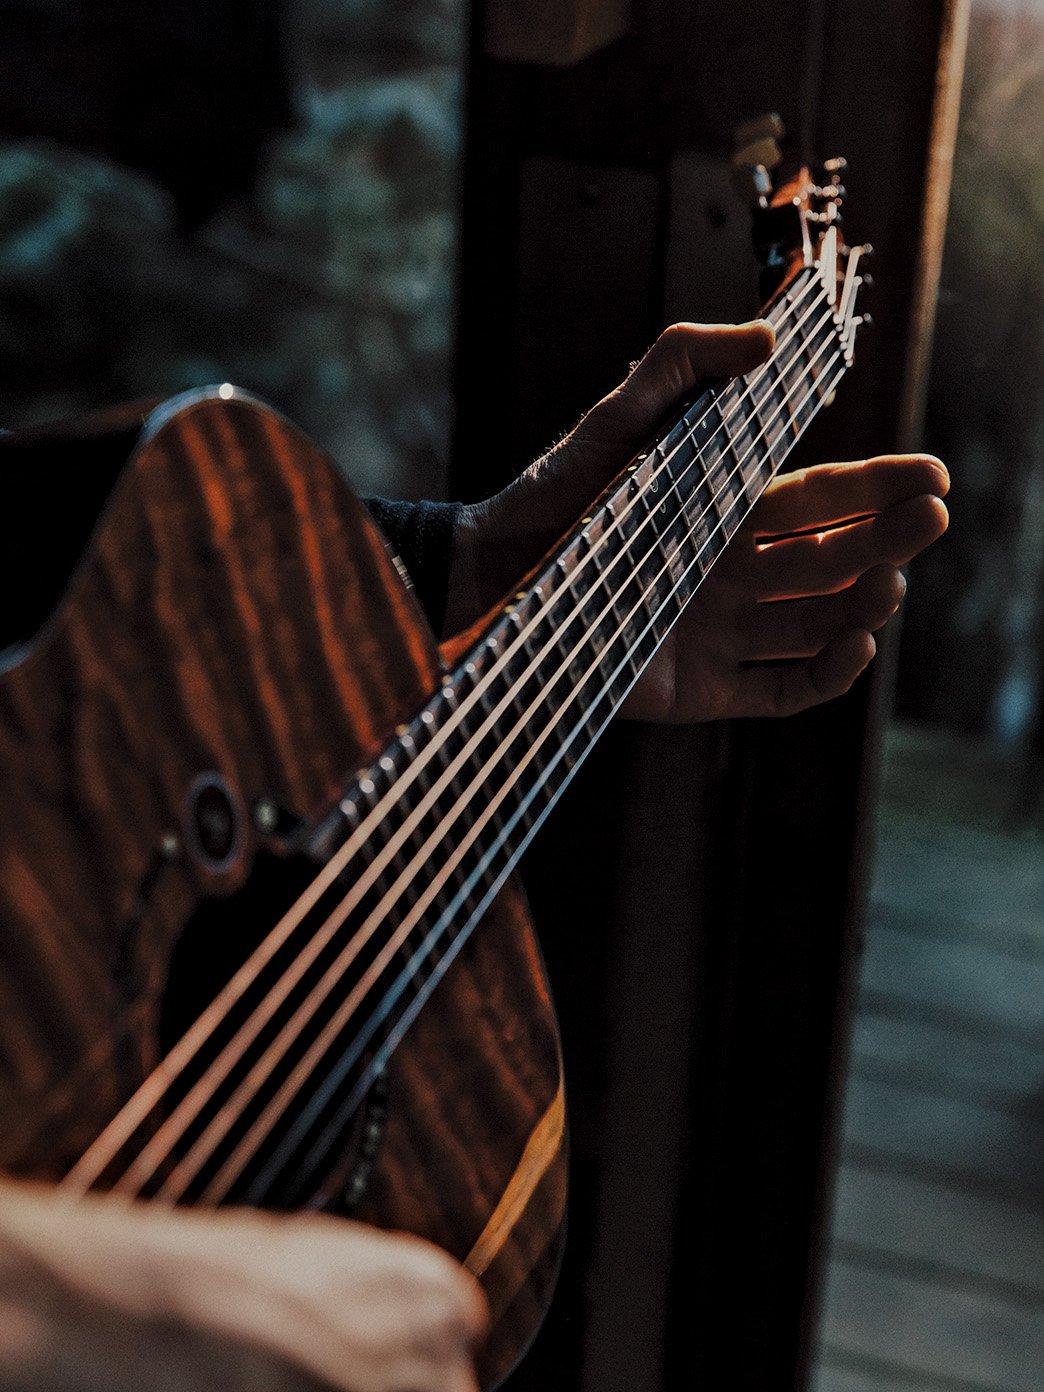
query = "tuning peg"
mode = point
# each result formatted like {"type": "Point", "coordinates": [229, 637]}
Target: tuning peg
{"type": "Point", "coordinates": [866, 251]}
{"type": "Point", "coordinates": [765, 152]}
{"type": "Point", "coordinates": [753, 183]}
{"type": "Point", "coordinates": [867, 282]}
{"type": "Point", "coordinates": [830, 215]}
{"type": "Point", "coordinates": [766, 127]}
{"type": "Point", "coordinates": [838, 165]}
{"type": "Point", "coordinates": [864, 321]}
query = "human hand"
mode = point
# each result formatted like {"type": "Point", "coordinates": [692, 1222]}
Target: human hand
{"type": "Point", "coordinates": [357, 1309]}
{"type": "Point", "coordinates": [778, 625]}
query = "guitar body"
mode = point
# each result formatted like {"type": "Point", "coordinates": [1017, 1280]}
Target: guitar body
{"type": "Point", "coordinates": [238, 623]}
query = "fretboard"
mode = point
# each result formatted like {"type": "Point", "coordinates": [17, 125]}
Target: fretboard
{"type": "Point", "coordinates": [423, 839]}
{"type": "Point", "coordinates": [426, 836]}
{"type": "Point", "coordinates": [474, 775]}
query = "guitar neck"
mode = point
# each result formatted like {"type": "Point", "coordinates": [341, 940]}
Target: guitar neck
{"type": "Point", "coordinates": [430, 831]}
{"type": "Point", "coordinates": [523, 708]}
{"type": "Point", "coordinates": [475, 774]}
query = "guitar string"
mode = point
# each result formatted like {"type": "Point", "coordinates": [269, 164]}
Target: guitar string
{"type": "Point", "coordinates": [153, 1149]}
{"type": "Point", "coordinates": [789, 309]}
{"type": "Point", "coordinates": [183, 1053]}
{"type": "Point", "coordinates": [336, 971]}
{"type": "Point", "coordinates": [318, 1102]}
{"type": "Point", "coordinates": [255, 975]}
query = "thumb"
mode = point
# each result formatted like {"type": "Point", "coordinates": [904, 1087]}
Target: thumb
{"type": "Point", "coordinates": [622, 422]}
{"type": "Point", "coordinates": [683, 356]}
{"type": "Point", "coordinates": [498, 540]}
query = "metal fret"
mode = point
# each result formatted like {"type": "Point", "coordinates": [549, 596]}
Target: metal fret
{"type": "Point", "coordinates": [564, 652]}
{"type": "Point", "coordinates": [773, 406]}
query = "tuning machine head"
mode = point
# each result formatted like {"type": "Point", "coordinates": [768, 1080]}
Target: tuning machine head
{"type": "Point", "coordinates": [756, 155]}
{"type": "Point", "coordinates": [828, 193]}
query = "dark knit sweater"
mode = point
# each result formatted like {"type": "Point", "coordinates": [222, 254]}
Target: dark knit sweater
{"type": "Point", "coordinates": [422, 535]}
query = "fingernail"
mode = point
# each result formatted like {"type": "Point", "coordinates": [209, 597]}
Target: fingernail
{"type": "Point", "coordinates": [769, 328]}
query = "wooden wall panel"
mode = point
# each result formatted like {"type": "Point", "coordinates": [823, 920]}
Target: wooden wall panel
{"type": "Point", "coordinates": [764, 824]}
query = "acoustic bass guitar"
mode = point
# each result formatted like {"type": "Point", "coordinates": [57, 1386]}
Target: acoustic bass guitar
{"type": "Point", "coordinates": [260, 939]}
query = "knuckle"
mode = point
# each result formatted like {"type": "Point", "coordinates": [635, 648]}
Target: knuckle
{"type": "Point", "coordinates": [451, 1298]}
{"type": "Point", "coordinates": [807, 625]}
{"type": "Point", "coordinates": [677, 333]}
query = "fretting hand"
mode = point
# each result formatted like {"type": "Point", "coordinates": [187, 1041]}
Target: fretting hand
{"type": "Point", "coordinates": [777, 626]}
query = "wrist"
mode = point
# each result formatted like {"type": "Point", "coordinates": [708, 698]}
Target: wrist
{"type": "Point", "coordinates": [468, 574]}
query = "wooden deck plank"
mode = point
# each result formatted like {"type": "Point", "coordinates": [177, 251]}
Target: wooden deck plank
{"type": "Point", "coordinates": [936, 1333]}
{"type": "Point", "coordinates": [998, 988]}
{"type": "Point", "coordinates": [987, 1065]}
{"type": "Point", "coordinates": [998, 926]}
{"type": "Point", "coordinates": [830, 1378]}
{"type": "Point", "coordinates": [962, 1144]}
{"type": "Point", "coordinates": [994, 869]}
{"type": "Point", "coordinates": [881, 1374]}
{"type": "Point", "coordinates": [937, 1268]}
{"type": "Point", "coordinates": [966, 1238]}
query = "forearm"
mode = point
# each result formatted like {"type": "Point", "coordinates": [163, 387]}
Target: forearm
{"type": "Point", "coordinates": [97, 1295]}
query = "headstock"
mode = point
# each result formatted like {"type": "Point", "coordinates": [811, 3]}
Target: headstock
{"type": "Point", "coordinates": [797, 220]}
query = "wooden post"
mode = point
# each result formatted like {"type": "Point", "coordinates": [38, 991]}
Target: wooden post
{"type": "Point", "coordinates": [559, 32]}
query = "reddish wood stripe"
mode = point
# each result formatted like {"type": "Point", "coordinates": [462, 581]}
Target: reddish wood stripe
{"type": "Point", "coordinates": [237, 611]}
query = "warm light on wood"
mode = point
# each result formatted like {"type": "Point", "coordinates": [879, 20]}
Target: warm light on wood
{"type": "Point", "coordinates": [560, 32]}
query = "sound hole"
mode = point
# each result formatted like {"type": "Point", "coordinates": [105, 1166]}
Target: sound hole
{"type": "Point", "coordinates": [273, 1135]}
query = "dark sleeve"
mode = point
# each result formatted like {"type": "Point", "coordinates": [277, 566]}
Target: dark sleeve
{"type": "Point", "coordinates": [422, 534]}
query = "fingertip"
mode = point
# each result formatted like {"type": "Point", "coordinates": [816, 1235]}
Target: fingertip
{"type": "Point", "coordinates": [937, 476]}
{"type": "Point", "coordinates": [766, 329]}
{"type": "Point", "coordinates": [761, 335]}
{"type": "Point", "coordinates": [894, 583]}
{"type": "Point", "coordinates": [876, 596]}
{"type": "Point", "coordinates": [847, 657]}
{"type": "Point", "coordinates": [929, 516]}
{"type": "Point", "coordinates": [723, 350]}
{"type": "Point", "coordinates": [939, 468]}
{"type": "Point", "coordinates": [911, 526]}
{"type": "Point", "coordinates": [860, 648]}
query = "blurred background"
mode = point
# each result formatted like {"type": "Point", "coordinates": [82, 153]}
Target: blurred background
{"type": "Point", "coordinates": [260, 193]}
{"type": "Point", "coordinates": [367, 212]}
